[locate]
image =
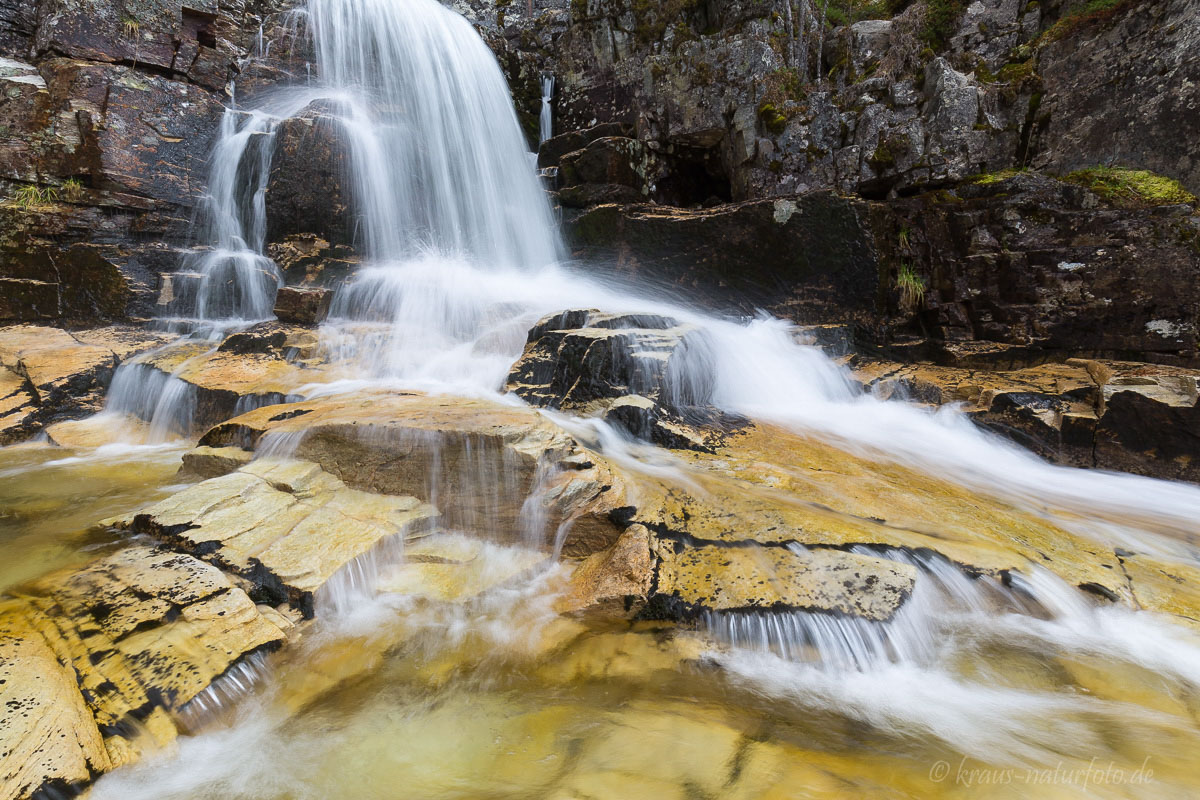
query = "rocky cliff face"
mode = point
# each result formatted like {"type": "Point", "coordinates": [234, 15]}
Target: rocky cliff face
{"type": "Point", "coordinates": [110, 109]}
{"type": "Point", "coordinates": [936, 92]}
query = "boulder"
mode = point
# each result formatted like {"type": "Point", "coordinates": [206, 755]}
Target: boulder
{"type": "Point", "coordinates": [307, 260]}
{"type": "Point", "coordinates": [644, 372]}
{"type": "Point", "coordinates": [307, 191]}
{"type": "Point", "coordinates": [302, 306]}
{"type": "Point", "coordinates": [211, 462]}
{"type": "Point", "coordinates": [773, 488]}
{"type": "Point", "coordinates": [49, 736]}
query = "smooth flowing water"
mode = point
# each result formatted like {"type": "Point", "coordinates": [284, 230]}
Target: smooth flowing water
{"type": "Point", "coordinates": [1006, 689]}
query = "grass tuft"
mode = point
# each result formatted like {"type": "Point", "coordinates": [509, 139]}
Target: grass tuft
{"type": "Point", "coordinates": [911, 286]}
{"type": "Point", "coordinates": [33, 196]}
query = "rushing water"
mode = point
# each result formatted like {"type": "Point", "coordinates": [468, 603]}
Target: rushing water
{"type": "Point", "coordinates": [400, 690]}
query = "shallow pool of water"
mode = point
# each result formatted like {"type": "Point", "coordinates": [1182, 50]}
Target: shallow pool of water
{"type": "Point", "coordinates": [52, 500]}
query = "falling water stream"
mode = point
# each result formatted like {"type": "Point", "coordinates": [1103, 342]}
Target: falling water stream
{"type": "Point", "coordinates": [1001, 688]}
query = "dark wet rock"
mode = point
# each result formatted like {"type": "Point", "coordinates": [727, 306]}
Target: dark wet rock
{"type": "Point", "coordinates": [307, 192]}
{"type": "Point", "coordinates": [107, 158]}
{"type": "Point", "coordinates": [303, 306]}
{"type": "Point", "coordinates": [614, 169]}
{"type": "Point", "coordinates": [648, 373]}
{"type": "Point", "coordinates": [1151, 429]}
{"type": "Point", "coordinates": [551, 151]}
{"type": "Point", "coordinates": [1016, 258]}
{"type": "Point", "coordinates": [25, 299]}
{"type": "Point", "coordinates": [1028, 260]}
{"type": "Point", "coordinates": [810, 257]}
{"type": "Point", "coordinates": [108, 115]}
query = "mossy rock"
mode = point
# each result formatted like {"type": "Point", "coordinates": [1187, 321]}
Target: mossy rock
{"type": "Point", "coordinates": [1131, 188]}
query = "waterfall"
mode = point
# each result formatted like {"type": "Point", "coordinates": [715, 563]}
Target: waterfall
{"type": "Point", "coordinates": [421, 106]}
{"type": "Point", "coordinates": [545, 120]}
{"type": "Point", "coordinates": [461, 259]}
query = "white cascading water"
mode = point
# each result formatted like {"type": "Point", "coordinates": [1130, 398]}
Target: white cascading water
{"type": "Point", "coordinates": [546, 119]}
{"type": "Point", "coordinates": [464, 258]}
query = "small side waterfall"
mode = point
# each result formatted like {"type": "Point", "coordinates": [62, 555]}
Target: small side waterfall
{"type": "Point", "coordinates": [545, 120]}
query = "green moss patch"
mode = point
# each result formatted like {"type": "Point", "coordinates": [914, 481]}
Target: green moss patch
{"type": "Point", "coordinates": [1131, 188]}
{"type": "Point", "coordinates": [989, 178]}
{"type": "Point", "coordinates": [771, 118]}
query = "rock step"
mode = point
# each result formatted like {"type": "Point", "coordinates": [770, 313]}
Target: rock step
{"type": "Point", "coordinates": [645, 372]}
{"type": "Point", "coordinates": [1124, 415]}
{"type": "Point", "coordinates": [286, 526]}
{"type": "Point", "coordinates": [95, 660]}
{"type": "Point", "coordinates": [49, 374]}
{"type": "Point", "coordinates": [782, 578]}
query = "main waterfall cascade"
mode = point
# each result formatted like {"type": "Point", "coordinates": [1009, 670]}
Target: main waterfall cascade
{"type": "Point", "coordinates": [461, 259]}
